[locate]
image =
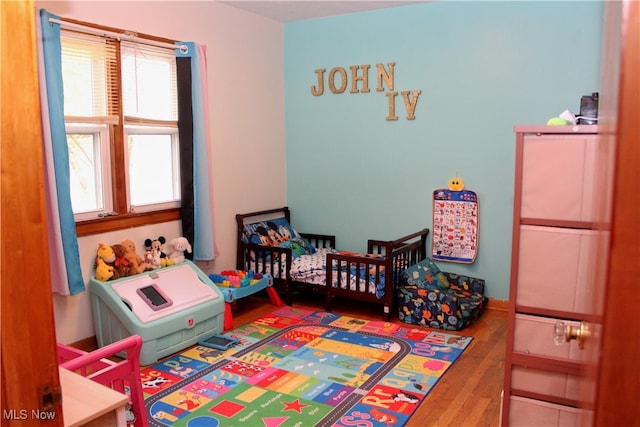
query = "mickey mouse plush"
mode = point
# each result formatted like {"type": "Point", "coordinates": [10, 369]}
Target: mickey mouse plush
{"type": "Point", "coordinates": [155, 247]}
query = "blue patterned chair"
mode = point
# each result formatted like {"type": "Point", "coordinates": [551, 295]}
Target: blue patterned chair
{"type": "Point", "coordinates": [433, 298]}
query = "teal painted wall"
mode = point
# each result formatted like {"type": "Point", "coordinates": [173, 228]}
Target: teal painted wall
{"type": "Point", "coordinates": [481, 67]}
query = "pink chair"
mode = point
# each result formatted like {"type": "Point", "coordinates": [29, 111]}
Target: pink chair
{"type": "Point", "coordinates": [114, 374]}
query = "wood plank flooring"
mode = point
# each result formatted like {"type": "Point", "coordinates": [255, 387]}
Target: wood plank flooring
{"type": "Point", "coordinates": [468, 395]}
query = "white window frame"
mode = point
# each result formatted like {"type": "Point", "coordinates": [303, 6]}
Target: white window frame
{"type": "Point", "coordinates": [175, 166]}
{"type": "Point", "coordinates": [102, 140]}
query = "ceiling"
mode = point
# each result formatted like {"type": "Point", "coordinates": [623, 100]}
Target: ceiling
{"type": "Point", "coordinates": [298, 10]}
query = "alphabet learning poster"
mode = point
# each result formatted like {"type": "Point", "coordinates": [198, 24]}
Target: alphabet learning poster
{"type": "Point", "coordinates": [455, 226]}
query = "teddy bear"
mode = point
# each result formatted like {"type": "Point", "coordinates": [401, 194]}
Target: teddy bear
{"type": "Point", "coordinates": [122, 266]}
{"type": "Point", "coordinates": [178, 246]}
{"type": "Point", "coordinates": [137, 264]}
{"type": "Point", "coordinates": [154, 254]}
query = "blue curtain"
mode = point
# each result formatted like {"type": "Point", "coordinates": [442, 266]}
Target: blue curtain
{"type": "Point", "coordinates": [62, 227]}
{"type": "Point", "coordinates": [203, 239]}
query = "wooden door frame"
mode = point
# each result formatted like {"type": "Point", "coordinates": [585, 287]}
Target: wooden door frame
{"type": "Point", "coordinates": [618, 382]}
{"type": "Point", "coordinates": [30, 381]}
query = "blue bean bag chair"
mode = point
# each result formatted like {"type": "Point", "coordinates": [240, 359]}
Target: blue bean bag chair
{"type": "Point", "coordinates": [433, 298]}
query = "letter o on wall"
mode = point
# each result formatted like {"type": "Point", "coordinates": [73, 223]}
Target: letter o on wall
{"type": "Point", "coordinates": [343, 74]}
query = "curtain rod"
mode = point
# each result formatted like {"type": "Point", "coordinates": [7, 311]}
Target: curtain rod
{"type": "Point", "coordinates": [183, 47]}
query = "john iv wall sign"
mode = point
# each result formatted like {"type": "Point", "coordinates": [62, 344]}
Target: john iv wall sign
{"type": "Point", "coordinates": [360, 76]}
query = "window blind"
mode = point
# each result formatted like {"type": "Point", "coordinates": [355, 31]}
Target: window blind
{"type": "Point", "coordinates": [90, 78]}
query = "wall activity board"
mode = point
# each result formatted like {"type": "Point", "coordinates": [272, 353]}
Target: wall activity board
{"type": "Point", "coordinates": [455, 225]}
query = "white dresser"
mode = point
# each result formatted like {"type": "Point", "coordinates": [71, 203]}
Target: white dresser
{"type": "Point", "coordinates": [553, 244]}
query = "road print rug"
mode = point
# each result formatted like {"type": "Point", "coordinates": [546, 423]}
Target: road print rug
{"type": "Point", "coordinates": [303, 368]}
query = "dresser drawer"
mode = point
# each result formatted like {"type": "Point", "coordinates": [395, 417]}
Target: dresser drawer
{"type": "Point", "coordinates": [554, 263]}
{"type": "Point", "coordinates": [534, 335]}
{"type": "Point", "coordinates": [558, 177]}
{"type": "Point", "coordinates": [555, 384]}
{"type": "Point", "coordinates": [525, 412]}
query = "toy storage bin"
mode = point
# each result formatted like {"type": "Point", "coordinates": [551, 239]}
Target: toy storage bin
{"type": "Point", "coordinates": [197, 310]}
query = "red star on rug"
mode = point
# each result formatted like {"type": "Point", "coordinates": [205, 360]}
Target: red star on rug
{"type": "Point", "coordinates": [294, 406]}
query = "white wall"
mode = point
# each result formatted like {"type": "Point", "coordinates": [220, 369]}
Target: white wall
{"type": "Point", "coordinates": [246, 105]}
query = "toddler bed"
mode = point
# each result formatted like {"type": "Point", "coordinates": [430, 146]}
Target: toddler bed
{"type": "Point", "coordinates": [267, 243]}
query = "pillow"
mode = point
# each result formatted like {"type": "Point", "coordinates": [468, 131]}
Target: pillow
{"type": "Point", "coordinates": [267, 233]}
{"type": "Point", "coordinates": [308, 246]}
{"type": "Point", "coordinates": [276, 232]}
{"type": "Point", "coordinates": [297, 246]}
{"type": "Point", "coordinates": [426, 274]}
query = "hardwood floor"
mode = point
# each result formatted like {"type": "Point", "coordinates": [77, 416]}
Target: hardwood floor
{"type": "Point", "coordinates": [468, 395]}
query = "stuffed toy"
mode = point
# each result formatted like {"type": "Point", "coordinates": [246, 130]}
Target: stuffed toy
{"type": "Point", "coordinates": [456, 184]}
{"type": "Point", "coordinates": [122, 266]}
{"type": "Point", "coordinates": [104, 272]}
{"type": "Point", "coordinates": [137, 264]}
{"type": "Point", "coordinates": [105, 253]}
{"type": "Point", "coordinates": [178, 246]}
{"type": "Point", "coordinates": [152, 259]}
{"type": "Point", "coordinates": [156, 247]}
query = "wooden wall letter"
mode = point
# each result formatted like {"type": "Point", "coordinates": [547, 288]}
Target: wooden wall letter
{"type": "Point", "coordinates": [364, 78]}
{"type": "Point", "coordinates": [392, 106]}
{"type": "Point", "coordinates": [319, 90]}
{"type": "Point", "coordinates": [387, 76]}
{"type": "Point", "coordinates": [343, 75]}
{"type": "Point", "coordinates": [410, 105]}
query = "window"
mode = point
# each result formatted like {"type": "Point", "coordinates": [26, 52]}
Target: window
{"type": "Point", "coordinates": [88, 145]}
{"type": "Point", "coordinates": [153, 165]}
{"type": "Point", "coordinates": [121, 119]}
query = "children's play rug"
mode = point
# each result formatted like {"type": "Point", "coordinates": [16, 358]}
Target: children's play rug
{"type": "Point", "coordinates": [302, 368]}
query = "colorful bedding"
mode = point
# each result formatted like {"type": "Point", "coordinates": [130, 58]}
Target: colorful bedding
{"type": "Point", "coordinates": [312, 269]}
{"type": "Point", "coordinates": [308, 264]}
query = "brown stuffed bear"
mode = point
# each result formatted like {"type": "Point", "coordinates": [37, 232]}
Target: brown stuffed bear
{"type": "Point", "coordinates": [122, 266]}
{"type": "Point", "coordinates": [137, 264]}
